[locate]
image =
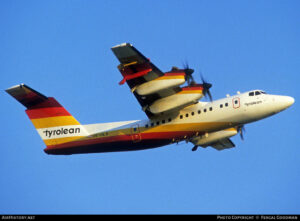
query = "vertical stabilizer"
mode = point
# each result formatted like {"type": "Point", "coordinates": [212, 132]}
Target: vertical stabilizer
{"type": "Point", "coordinates": [53, 122]}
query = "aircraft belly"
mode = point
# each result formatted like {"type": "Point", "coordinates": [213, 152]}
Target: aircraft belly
{"type": "Point", "coordinates": [119, 146]}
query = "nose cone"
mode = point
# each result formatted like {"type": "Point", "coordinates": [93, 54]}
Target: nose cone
{"type": "Point", "coordinates": [283, 102]}
{"type": "Point", "coordinates": [287, 101]}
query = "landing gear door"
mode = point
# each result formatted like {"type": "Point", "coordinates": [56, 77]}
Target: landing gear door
{"type": "Point", "coordinates": [135, 133]}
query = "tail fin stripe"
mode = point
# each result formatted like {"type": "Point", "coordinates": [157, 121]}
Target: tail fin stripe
{"type": "Point", "coordinates": [54, 121]}
{"type": "Point", "coordinates": [47, 112]}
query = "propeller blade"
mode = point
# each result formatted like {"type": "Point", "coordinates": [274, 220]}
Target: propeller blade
{"type": "Point", "coordinates": [206, 87]}
{"type": "Point", "coordinates": [188, 73]}
{"type": "Point", "coordinates": [209, 95]}
{"type": "Point", "coordinates": [241, 129]}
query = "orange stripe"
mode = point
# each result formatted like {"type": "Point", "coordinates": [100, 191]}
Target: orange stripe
{"type": "Point", "coordinates": [190, 92]}
{"type": "Point", "coordinates": [54, 121]}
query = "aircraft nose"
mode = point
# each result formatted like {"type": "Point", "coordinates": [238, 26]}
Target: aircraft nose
{"type": "Point", "coordinates": [283, 102]}
{"type": "Point", "coordinates": [288, 101]}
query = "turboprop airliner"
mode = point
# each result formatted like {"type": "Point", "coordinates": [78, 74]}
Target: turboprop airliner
{"type": "Point", "coordinates": [171, 101]}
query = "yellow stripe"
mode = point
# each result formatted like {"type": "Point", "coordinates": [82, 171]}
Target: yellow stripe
{"type": "Point", "coordinates": [61, 140]}
{"type": "Point", "coordinates": [169, 77]}
{"type": "Point", "coordinates": [230, 129]}
{"type": "Point", "coordinates": [54, 121]}
{"type": "Point", "coordinates": [131, 63]}
{"type": "Point", "coordinates": [190, 92]}
{"type": "Point", "coordinates": [187, 127]}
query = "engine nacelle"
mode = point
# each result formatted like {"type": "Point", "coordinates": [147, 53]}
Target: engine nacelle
{"type": "Point", "coordinates": [210, 138]}
{"type": "Point", "coordinates": [187, 96]}
{"type": "Point", "coordinates": [169, 80]}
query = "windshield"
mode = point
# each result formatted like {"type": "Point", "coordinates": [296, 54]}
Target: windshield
{"type": "Point", "coordinates": [254, 93]}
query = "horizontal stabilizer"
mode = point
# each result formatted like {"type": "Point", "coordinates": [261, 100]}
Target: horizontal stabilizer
{"type": "Point", "coordinates": [26, 95]}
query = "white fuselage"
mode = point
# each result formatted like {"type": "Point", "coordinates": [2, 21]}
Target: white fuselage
{"type": "Point", "coordinates": [203, 124]}
{"type": "Point", "coordinates": [213, 116]}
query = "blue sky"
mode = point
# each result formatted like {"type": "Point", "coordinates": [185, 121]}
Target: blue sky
{"type": "Point", "coordinates": [62, 49]}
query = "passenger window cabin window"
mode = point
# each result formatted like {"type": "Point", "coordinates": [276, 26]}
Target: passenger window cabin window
{"type": "Point", "coordinates": [251, 94]}
{"type": "Point", "coordinates": [257, 93]}
{"type": "Point", "coordinates": [236, 101]}
{"type": "Point", "coordinates": [210, 109]}
{"type": "Point", "coordinates": [226, 104]}
{"type": "Point", "coordinates": [204, 110]}
{"type": "Point", "coordinates": [157, 123]}
{"type": "Point", "coordinates": [152, 124]}
{"type": "Point", "coordinates": [146, 125]}
{"type": "Point", "coordinates": [221, 105]}
{"type": "Point", "coordinates": [181, 116]}
{"type": "Point", "coordinates": [187, 115]}
{"type": "Point", "coordinates": [199, 111]}
{"type": "Point", "coordinates": [193, 113]}
{"type": "Point", "coordinates": [169, 119]}
{"type": "Point", "coordinates": [163, 121]}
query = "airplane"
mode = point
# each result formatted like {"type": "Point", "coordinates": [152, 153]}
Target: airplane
{"type": "Point", "coordinates": [174, 112]}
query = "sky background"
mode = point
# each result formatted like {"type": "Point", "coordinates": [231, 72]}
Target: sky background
{"type": "Point", "coordinates": [62, 49]}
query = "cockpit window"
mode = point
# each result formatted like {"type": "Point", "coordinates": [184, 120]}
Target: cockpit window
{"type": "Point", "coordinates": [254, 93]}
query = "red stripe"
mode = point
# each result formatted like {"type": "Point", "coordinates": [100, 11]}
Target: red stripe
{"type": "Point", "coordinates": [50, 102]}
{"type": "Point", "coordinates": [192, 88]}
{"type": "Point", "coordinates": [174, 74]}
{"type": "Point", "coordinates": [179, 135]}
{"type": "Point", "coordinates": [135, 75]}
{"type": "Point", "coordinates": [47, 112]}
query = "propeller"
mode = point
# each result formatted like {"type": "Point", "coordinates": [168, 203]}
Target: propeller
{"type": "Point", "coordinates": [190, 80]}
{"type": "Point", "coordinates": [206, 86]}
{"type": "Point", "coordinates": [241, 129]}
{"type": "Point", "coordinates": [188, 73]}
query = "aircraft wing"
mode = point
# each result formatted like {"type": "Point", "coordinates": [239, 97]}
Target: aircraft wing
{"type": "Point", "coordinates": [223, 144]}
{"type": "Point", "coordinates": [134, 64]}
{"type": "Point", "coordinates": [138, 70]}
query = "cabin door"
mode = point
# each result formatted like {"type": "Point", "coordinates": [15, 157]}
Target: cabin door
{"type": "Point", "coordinates": [135, 133]}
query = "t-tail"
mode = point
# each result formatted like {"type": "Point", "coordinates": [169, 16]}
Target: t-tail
{"type": "Point", "coordinates": [53, 122]}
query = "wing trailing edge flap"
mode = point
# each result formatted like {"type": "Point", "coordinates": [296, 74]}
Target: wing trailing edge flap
{"type": "Point", "coordinates": [223, 144]}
